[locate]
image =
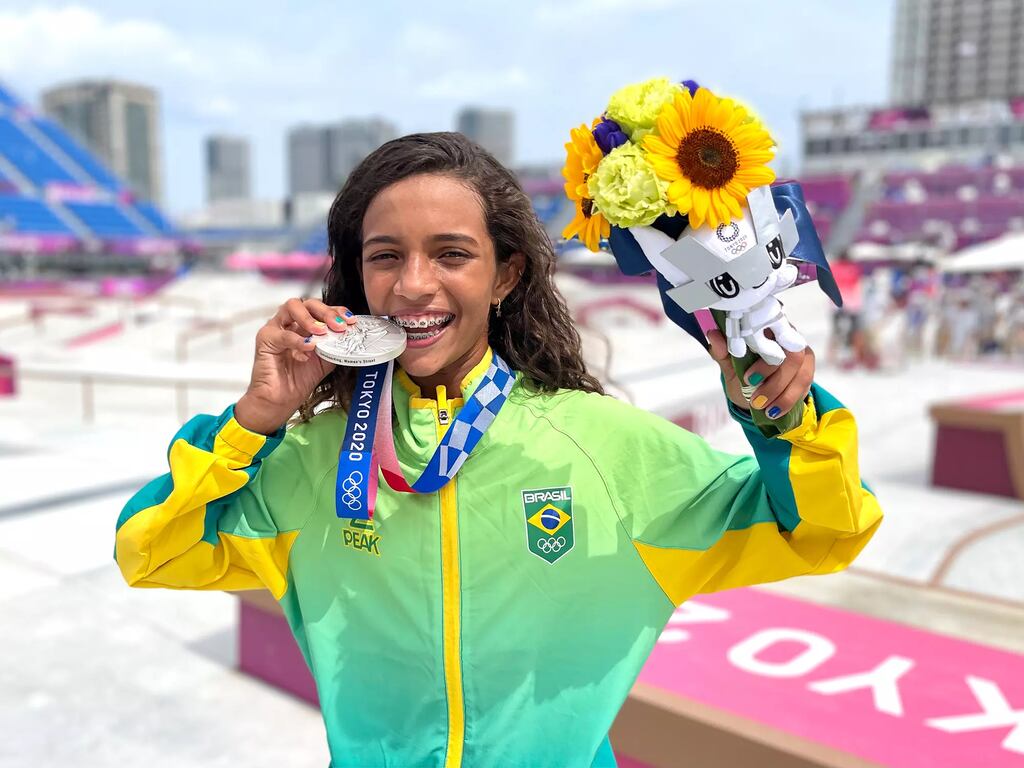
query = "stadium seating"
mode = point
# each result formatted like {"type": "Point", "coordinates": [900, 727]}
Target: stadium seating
{"type": "Point", "coordinates": [956, 206]}
{"type": "Point", "coordinates": [22, 214]}
{"type": "Point", "coordinates": [314, 242]}
{"type": "Point", "coordinates": [152, 214]}
{"type": "Point", "coordinates": [7, 98]}
{"type": "Point", "coordinates": [79, 154]}
{"type": "Point", "coordinates": [105, 220]}
{"type": "Point", "coordinates": [28, 157]}
{"type": "Point", "coordinates": [827, 197]}
{"type": "Point", "coordinates": [65, 183]}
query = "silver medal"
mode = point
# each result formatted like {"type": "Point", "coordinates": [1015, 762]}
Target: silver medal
{"type": "Point", "coordinates": [371, 341]}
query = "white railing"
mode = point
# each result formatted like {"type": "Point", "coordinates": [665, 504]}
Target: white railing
{"type": "Point", "coordinates": [179, 378]}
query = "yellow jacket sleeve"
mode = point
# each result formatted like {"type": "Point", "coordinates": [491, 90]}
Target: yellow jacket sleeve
{"type": "Point", "coordinates": [206, 523]}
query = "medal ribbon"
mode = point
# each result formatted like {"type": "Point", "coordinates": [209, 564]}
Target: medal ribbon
{"type": "Point", "coordinates": [369, 439]}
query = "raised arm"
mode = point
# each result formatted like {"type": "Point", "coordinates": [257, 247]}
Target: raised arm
{"type": "Point", "coordinates": [224, 516]}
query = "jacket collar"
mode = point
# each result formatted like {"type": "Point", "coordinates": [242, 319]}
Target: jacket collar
{"type": "Point", "coordinates": [417, 418]}
{"type": "Point", "coordinates": [411, 390]}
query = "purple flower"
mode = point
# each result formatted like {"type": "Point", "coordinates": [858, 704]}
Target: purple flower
{"type": "Point", "coordinates": [691, 86]}
{"type": "Point", "coordinates": [609, 135]}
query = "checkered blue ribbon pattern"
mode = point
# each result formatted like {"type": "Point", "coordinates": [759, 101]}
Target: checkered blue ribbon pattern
{"type": "Point", "coordinates": [369, 424]}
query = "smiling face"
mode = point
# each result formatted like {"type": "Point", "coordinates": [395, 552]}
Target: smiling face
{"type": "Point", "coordinates": [428, 261]}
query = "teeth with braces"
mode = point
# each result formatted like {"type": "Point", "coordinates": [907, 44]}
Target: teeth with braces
{"type": "Point", "coordinates": [423, 322]}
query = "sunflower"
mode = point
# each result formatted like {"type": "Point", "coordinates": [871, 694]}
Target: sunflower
{"type": "Point", "coordinates": [712, 152]}
{"type": "Point", "coordinates": [582, 157]}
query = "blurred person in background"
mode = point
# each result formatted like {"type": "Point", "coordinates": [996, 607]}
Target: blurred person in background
{"type": "Point", "coordinates": [920, 315]}
{"type": "Point", "coordinates": [875, 312]}
{"type": "Point", "coordinates": [984, 293]}
{"type": "Point", "coordinates": [525, 595]}
{"type": "Point", "coordinates": [961, 320]}
{"type": "Point", "coordinates": [845, 340]}
{"type": "Point", "coordinates": [1015, 321]}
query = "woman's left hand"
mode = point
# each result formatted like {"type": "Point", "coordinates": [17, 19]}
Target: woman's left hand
{"type": "Point", "coordinates": [780, 387]}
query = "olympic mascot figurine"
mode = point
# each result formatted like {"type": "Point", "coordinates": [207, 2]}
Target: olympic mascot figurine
{"type": "Point", "coordinates": [676, 180]}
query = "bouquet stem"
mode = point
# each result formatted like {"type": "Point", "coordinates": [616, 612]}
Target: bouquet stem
{"type": "Point", "coordinates": [768, 427]}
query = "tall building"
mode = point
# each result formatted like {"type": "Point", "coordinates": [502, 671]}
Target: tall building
{"type": "Point", "coordinates": [228, 168]}
{"type": "Point", "coordinates": [492, 129]}
{"type": "Point", "coordinates": [350, 141]}
{"type": "Point", "coordinates": [307, 160]}
{"type": "Point", "coordinates": [957, 50]}
{"type": "Point", "coordinates": [320, 157]}
{"type": "Point", "coordinates": [118, 121]}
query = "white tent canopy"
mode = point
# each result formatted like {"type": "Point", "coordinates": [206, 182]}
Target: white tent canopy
{"type": "Point", "coordinates": [1004, 254]}
{"type": "Point", "coordinates": [902, 253]}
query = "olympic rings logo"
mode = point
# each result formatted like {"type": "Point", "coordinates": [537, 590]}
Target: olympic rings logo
{"type": "Point", "coordinates": [734, 232]}
{"type": "Point", "coordinates": [352, 491]}
{"type": "Point", "coordinates": [547, 546]}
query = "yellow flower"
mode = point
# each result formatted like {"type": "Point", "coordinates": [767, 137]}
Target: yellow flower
{"type": "Point", "coordinates": [582, 157]}
{"type": "Point", "coordinates": [712, 152]}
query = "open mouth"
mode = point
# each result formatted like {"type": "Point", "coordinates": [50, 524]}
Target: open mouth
{"type": "Point", "coordinates": [423, 327]}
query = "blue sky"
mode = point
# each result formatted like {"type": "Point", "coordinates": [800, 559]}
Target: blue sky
{"type": "Point", "coordinates": [256, 68]}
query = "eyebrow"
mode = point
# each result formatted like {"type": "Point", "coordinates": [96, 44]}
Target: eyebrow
{"type": "Point", "coordinates": [443, 237]}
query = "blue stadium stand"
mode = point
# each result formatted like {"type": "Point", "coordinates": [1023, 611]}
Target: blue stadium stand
{"type": "Point", "coordinates": [7, 99]}
{"type": "Point", "coordinates": [27, 215]}
{"type": "Point", "coordinates": [314, 242]}
{"type": "Point", "coordinates": [52, 185]}
{"type": "Point", "coordinates": [78, 154]}
{"type": "Point", "coordinates": [105, 220]}
{"type": "Point", "coordinates": [152, 214]}
{"type": "Point", "coordinates": [28, 157]}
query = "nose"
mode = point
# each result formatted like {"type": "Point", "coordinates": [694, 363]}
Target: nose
{"type": "Point", "coordinates": [417, 279]}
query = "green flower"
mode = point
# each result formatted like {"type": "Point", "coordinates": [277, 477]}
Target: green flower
{"type": "Point", "coordinates": [635, 107]}
{"type": "Point", "coordinates": [626, 190]}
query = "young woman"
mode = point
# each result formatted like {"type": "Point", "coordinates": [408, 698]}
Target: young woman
{"type": "Point", "coordinates": [502, 620]}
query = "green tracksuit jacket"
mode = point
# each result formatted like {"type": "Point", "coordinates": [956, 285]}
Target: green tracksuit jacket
{"type": "Point", "coordinates": [502, 620]}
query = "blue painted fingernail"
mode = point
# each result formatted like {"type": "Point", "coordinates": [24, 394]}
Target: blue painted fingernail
{"type": "Point", "coordinates": [307, 339]}
{"type": "Point", "coordinates": [755, 378]}
{"type": "Point", "coordinates": [348, 313]}
{"type": "Point", "coordinates": [773, 412]}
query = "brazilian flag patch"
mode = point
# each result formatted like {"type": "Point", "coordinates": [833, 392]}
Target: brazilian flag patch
{"type": "Point", "coordinates": [549, 531]}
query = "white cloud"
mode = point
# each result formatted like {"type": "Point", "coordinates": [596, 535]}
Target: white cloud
{"type": "Point", "coordinates": [38, 45]}
{"type": "Point", "coordinates": [465, 85]}
{"type": "Point", "coordinates": [217, 107]}
{"type": "Point", "coordinates": [422, 39]}
{"type": "Point", "coordinates": [199, 77]}
{"type": "Point", "coordinates": [584, 11]}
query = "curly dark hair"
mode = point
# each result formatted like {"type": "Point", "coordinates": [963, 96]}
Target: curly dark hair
{"type": "Point", "coordinates": [534, 333]}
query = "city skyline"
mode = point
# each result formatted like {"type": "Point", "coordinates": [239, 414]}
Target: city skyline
{"type": "Point", "coordinates": [230, 72]}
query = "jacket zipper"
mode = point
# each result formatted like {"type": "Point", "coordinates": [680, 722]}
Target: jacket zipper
{"type": "Point", "coordinates": [451, 601]}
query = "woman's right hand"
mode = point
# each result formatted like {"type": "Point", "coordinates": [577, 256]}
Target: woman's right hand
{"type": "Point", "coordinates": [286, 368]}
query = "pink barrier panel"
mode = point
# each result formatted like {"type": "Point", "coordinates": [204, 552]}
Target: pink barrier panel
{"type": "Point", "coordinates": [65, 191]}
{"type": "Point", "coordinates": [95, 335]}
{"type": "Point", "coordinates": [8, 378]}
{"type": "Point", "coordinates": [268, 651]}
{"type": "Point", "coordinates": [13, 241]}
{"type": "Point", "coordinates": [884, 692]}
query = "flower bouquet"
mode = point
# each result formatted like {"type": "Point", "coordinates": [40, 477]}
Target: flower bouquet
{"type": "Point", "coordinates": [676, 180]}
